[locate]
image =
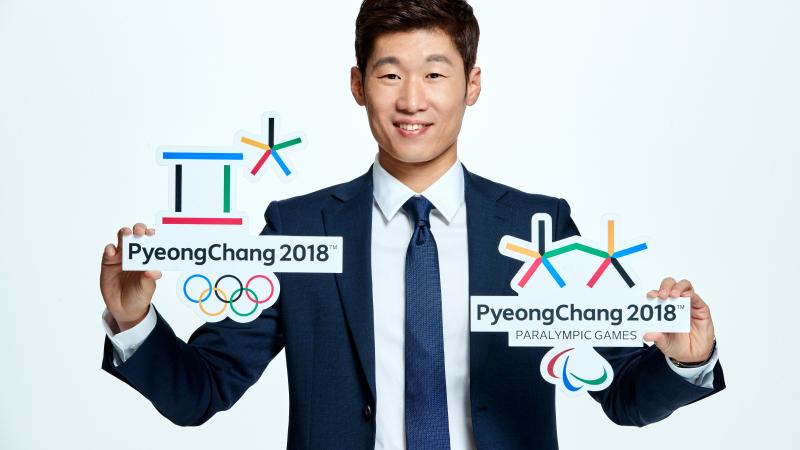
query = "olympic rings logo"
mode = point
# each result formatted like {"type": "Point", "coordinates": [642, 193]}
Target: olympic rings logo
{"type": "Point", "coordinates": [242, 290]}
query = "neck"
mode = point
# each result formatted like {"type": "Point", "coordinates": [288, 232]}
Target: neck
{"type": "Point", "coordinates": [418, 176]}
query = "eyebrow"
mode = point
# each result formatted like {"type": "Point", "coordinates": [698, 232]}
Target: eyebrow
{"type": "Point", "coordinates": [393, 60]}
{"type": "Point", "coordinates": [439, 58]}
{"type": "Point", "coordinates": [384, 61]}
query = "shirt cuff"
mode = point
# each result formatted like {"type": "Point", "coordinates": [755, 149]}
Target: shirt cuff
{"type": "Point", "coordinates": [702, 376]}
{"type": "Point", "coordinates": [126, 342]}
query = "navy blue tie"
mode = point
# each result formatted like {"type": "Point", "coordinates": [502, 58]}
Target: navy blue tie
{"type": "Point", "coordinates": [426, 393]}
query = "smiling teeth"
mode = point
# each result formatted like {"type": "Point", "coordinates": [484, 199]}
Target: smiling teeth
{"type": "Point", "coordinates": [411, 126]}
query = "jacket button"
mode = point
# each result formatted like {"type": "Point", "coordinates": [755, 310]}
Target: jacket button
{"type": "Point", "coordinates": [368, 412]}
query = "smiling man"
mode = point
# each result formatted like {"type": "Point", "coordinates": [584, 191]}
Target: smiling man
{"type": "Point", "coordinates": [381, 356]}
{"type": "Point", "coordinates": [415, 86]}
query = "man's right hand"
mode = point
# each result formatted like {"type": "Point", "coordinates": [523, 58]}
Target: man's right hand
{"type": "Point", "coordinates": [127, 294]}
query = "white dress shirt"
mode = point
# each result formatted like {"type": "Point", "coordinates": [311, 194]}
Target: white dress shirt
{"type": "Point", "coordinates": [391, 233]}
{"type": "Point", "coordinates": [392, 228]}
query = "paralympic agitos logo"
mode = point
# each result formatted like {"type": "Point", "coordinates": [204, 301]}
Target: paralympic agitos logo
{"type": "Point", "coordinates": [576, 369]}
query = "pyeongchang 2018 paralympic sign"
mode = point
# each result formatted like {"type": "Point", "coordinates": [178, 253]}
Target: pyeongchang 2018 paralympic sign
{"type": "Point", "coordinates": [573, 296]}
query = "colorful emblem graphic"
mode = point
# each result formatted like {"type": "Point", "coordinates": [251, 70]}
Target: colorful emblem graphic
{"type": "Point", "coordinates": [538, 253]}
{"type": "Point", "coordinates": [265, 143]}
{"type": "Point", "coordinates": [569, 318]}
{"type": "Point", "coordinates": [204, 236]}
{"type": "Point", "coordinates": [576, 371]}
{"type": "Point", "coordinates": [258, 292]}
{"type": "Point", "coordinates": [203, 179]}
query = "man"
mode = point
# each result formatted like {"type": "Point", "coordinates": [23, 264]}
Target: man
{"type": "Point", "coordinates": [381, 355]}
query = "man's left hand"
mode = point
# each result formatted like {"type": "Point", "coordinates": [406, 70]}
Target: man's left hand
{"type": "Point", "coordinates": [694, 346]}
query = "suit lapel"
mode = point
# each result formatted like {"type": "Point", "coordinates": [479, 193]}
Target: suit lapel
{"type": "Point", "coordinates": [487, 221]}
{"type": "Point", "coordinates": [350, 216]}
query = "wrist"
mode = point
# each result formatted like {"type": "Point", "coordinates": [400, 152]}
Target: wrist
{"type": "Point", "coordinates": [124, 325]}
{"type": "Point", "coordinates": [688, 365]}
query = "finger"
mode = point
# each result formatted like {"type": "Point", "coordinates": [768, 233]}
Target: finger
{"type": "Point", "coordinates": [124, 231]}
{"type": "Point", "coordinates": [150, 232]}
{"type": "Point", "coordinates": [652, 294]}
{"type": "Point", "coordinates": [110, 267]}
{"type": "Point", "coordinates": [680, 287]}
{"type": "Point", "coordinates": [152, 274]}
{"type": "Point", "coordinates": [139, 229]}
{"type": "Point", "coordinates": [666, 286]}
{"type": "Point", "coordinates": [109, 253]}
{"type": "Point", "coordinates": [115, 256]}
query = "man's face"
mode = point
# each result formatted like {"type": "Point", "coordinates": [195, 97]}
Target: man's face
{"type": "Point", "coordinates": [415, 93]}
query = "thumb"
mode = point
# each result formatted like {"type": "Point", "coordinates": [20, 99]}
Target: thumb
{"type": "Point", "coordinates": [111, 255]}
{"type": "Point", "coordinates": [152, 274]}
{"type": "Point", "coordinates": [659, 339]}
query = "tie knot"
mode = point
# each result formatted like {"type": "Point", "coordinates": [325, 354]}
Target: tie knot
{"type": "Point", "coordinates": [420, 210]}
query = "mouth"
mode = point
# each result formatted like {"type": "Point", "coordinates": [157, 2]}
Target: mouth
{"type": "Point", "coordinates": [409, 129]}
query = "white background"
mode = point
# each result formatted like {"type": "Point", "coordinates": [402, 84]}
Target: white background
{"type": "Point", "coordinates": [680, 116]}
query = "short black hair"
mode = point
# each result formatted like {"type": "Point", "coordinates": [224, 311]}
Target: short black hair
{"type": "Point", "coordinates": [454, 17]}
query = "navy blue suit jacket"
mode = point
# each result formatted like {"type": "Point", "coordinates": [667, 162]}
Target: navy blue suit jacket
{"type": "Point", "coordinates": [325, 324]}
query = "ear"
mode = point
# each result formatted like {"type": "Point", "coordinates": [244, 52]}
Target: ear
{"type": "Point", "coordinates": [357, 85]}
{"type": "Point", "coordinates": [473, 86]}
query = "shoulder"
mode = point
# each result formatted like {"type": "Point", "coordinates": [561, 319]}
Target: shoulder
{"type": "Point", "coordinates": [342, 191]}
{"type": "Point", "coordinates": [307, 208]}
{"type": "Point", "coordinates": [523, 205]}
{"type": "Point", "coordinates": [513, 197]}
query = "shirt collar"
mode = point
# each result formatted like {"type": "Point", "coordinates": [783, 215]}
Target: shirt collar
{"type": "Point", "coordinates": [446, 193]}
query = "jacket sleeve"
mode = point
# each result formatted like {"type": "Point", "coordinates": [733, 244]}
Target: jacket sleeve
{"type": "Point", "coordinates": [644, 389]}
{"type": "Point", "coordinates": [188, 382]}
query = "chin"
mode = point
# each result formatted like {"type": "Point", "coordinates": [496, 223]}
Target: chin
{"type": "Point", "coordinates": [414, 157]}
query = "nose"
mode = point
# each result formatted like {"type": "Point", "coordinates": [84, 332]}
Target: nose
{"type": "Point", "coordinates": [412, 97]}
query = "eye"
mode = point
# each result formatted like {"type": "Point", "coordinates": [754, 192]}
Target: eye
{"type": "Point", "coordinates": [435, 75]}
{"type": "Point", "coordinates": [390, 76]}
